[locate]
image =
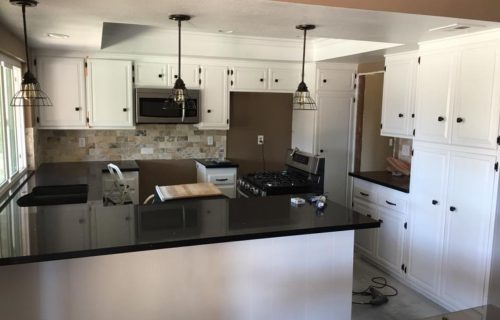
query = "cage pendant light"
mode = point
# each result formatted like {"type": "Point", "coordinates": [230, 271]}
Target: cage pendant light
{"type": "Point", "coordinates": [179, 92]}
{"type": "Point", "coordinates": [30, 95]}
{"type": "Point", "coordinates": [302, 98]}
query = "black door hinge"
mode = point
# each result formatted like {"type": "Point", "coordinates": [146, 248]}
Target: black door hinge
{"type": "Point", "coordinates": [228, 72]}
{"type": "Point", "coordinates": [133, 79]}
{"type": "Point", "coordinates": [88, 120]}
{"type": "Point", "coordinates": [380, 126]}
{"type": "Point", "coordinates": [199, 70]}
{"type": "Point", "coordinates": [413, 115]}
{"type": "Point", "coordinates": [133, 68]}
{"type": "Point", "coordinates": [227, 121]}
{"type": "Point", "coordinates": [403, 267]}
{"type": "Point", "coordinates": [232, 82]}
{"type": "Point", "coordinates": [232, 71]}
{"type": "Point", "coordinates": [412, 152]}
{"type": "Point", "coordinates": [419, 59]}
{"type": "Point", "coordinates": [496, 166]}
{"type": "Point", "coordinates": [86, 64]}
{"type": "Point", "coordinates": [385, 68]}
{"type": "Point", "coordinates": [406, 225]}
{"type": "Point", "coordinates": [355, 86]}
{"type": "Point", "coordinates": [413, 131]}
{"type": "Point", "coordinates": [354, 100]}
{"type": "Point", "coordinates": [37, 119]}
{"type": "Point", "coordinates": [355, 76]}
{"type": "Point", "coordinates": [199, 82]}
{"type": "Point", "coordinates": [34, 62]}
{"type": "Point", "coordinates": [406, 269]}
{"type": "Point", "coordinates": [498, 140]}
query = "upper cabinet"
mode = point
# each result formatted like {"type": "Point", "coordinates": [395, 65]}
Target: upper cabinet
{"type": "Point", "coordinates": [249, 79]}
{"type": "Point", "coordinates": [335, 79]}
{"type": "Point", "coordinates": [151, 74]}
{"type": "Point", "coordinates": [63, 80]}
{"type": "Point", "coordinates": [214, 98]}
{"type": "Point", "coordinates": [399, 95]}
{"type": "Point", "coordinates": [284, 79]}
{"type": "Point", "coordinates": [458, 95]}
{"type": "Point", "coordinates": [190, 74]}
{"type": "Point", "coordinates": [109, 88]}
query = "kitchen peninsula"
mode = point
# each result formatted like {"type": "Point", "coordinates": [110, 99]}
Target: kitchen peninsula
{"type": "Point", "coordinates": [226, 258]}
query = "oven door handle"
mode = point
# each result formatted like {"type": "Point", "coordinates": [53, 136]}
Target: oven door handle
{"type": "Point", "coordinates": [183, 111]}
{"type": "Point", "coordinates": [241, 193]}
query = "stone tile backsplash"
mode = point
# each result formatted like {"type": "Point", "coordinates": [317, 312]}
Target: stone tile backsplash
{"type": "Point", "coordinates": [145, 142]}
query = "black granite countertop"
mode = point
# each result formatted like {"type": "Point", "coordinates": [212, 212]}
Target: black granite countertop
{"type": "Point", "coordinates": [215, 163]}
{"type": "Point", "coordinates": [90, 229]}
{"type": "Point", "coordinates": [384, 178]}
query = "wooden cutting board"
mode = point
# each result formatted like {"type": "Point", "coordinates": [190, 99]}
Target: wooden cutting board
{"type": "Point", "coordinates": [191, 190]}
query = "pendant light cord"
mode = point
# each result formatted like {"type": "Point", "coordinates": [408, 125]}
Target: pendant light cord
{"type": "Point", "coordinates": [26, 38]}
{"type": "Point", "coordinates": [179, 71]}
{"type": "Point", "coordinates": [304, 54]}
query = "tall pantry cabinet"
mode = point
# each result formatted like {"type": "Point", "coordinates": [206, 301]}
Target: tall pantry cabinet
{"type": "Point", "coordinates": [454, 170]}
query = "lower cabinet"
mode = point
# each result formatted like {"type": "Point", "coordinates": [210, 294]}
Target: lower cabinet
{"type": "Point", "coordinates": [390, 239]}
{"type": "Point", "coordinates": [222, 178]}
{"type": "Point", "coordinates": [366, 239]}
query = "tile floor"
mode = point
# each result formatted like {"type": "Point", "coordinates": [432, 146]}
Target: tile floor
{"type": "Point", "coordinates": [407, 305]}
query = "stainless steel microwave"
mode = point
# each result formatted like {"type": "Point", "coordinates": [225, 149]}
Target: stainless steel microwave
{"type": "Point", "coordinates": [157, 106]}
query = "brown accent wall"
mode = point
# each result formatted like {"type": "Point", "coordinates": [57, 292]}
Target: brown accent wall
{"type": "Point", "coordinates": [371, 67]}
{"type": "Point", "coordinates": [252, 114]}
{"type": "Point", "coordinates": [488, 10]}
{"type": "Point", "coordinates": [10, 44]}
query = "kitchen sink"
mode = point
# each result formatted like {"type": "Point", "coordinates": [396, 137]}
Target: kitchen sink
{"type": "Point", "coordinates": [54, 195]}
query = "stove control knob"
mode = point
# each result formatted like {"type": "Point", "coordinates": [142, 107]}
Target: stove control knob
{"type": "Point", "coordinates": [255, 191]}
{"type": "Point", "coordinates": [263, 193]}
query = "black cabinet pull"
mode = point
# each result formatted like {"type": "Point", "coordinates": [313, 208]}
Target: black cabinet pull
{"type": "Point", "coordinates": [221, 179]}
{"type": "Point", "coordinates": [77, 109]}
{"type": "Point", "coordinates": [401, 115]}
{"type": "Point", "coordinates": [459, 120]}
{"type": "Point", "coordinates": [125, 109]}
{"type": "Point", "coordinates": [452, 209]}
{"type": "Point", "coordinates": [324, 80]}
{"type": "Point", "coordinates": [364, 194]}
{"type": "Point", "coordinates": [209, 110]}
{"type": "Point", "coordinates": [160, 75]}
{"type": "Point", "coordinates": [440, 118]}
{"type": "Point", "coordinates": [435, 202]}
{"type": "Point", "coordinates": [275, 80]}
{"type": "Point", "coordinates": [261, 79]}
{"type": "Point", "coordinates": [390, 203]}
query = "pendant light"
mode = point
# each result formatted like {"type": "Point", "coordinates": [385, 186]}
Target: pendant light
{"type": "Point", "coordinates": [30, 95]}
{"type": "Point", "coordinates": [302, 98]}
{"type": "Point", "coordinates": [179, 92]}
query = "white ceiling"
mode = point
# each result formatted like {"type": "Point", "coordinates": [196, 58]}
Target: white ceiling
{"type": "Point", "coordinates": [83, 20]}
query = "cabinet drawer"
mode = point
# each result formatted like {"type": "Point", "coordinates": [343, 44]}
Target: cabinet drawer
{"type": "Point", "coordinates": [365, 190]}
{"type": "Point", "coordinates": [219, 179]}
{"type": "Point", "coordinates": [394, 200]}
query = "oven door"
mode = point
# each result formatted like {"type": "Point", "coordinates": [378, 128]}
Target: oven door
{"type": "Point", "coordinates": [244, 194]}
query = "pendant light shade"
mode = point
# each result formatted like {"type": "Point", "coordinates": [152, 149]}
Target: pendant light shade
{"type": "Point", "coordinates": [30, 95]}
{"type": "Point", "coordinates": [179, 93]}
{"type": "Point", "coordinates": [302, 98]}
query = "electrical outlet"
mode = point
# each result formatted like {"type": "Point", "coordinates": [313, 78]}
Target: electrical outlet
{"type": "Point", "coordinates": [81, 142]}
{"type": "Point", "coordinates": [210, 140]}
{"type": "Point", "coordinates": [405, 150]}
{"type": "Point", "coordinates": [260, 139]}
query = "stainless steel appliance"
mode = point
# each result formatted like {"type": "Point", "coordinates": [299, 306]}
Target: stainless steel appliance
{"type": "Point", "coordinates": [156, 106]}
{"type": "Point", "coordinates": [304, 174]}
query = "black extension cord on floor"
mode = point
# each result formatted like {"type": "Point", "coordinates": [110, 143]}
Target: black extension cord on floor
{"type": "Point", "coordinates": [377, 297]}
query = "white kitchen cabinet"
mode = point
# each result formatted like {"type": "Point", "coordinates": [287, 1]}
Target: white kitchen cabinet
{"type": "Point", "coordinates": [335, 114]}
{"type": "Point", "coordinates": [151, 74]}
{"type": "Point", "coordinates": [190, 74]}
{"type": "Point", "coordinates": [366, 239]}
{"type": "Point", "coordinates": [335, 79]}
{"type": "Point", "coordinates": [222, 178]}
{"type": "Point", "coordinates": [249, 79]}
{"type": "Point", "coordinates": [112, 226]}
{"type": "Point", "coordinates": [457, 96]}
{"type": "Point", "coordinates": [434, 96]}
{"type": "Point", "coordinates": [64, 82]}
{"type": "Point", "coordinates": [399, 95]}
{"type": "Point", "coordinates": [427, 217]}
{"type": "Point", "coordinates": [284, 79]}
{"type": "Point", "coordinates": [476, 106]}
{"type": "Point", "coordinates": [109, 88]}
{"type": "Point", "coordinates": [214, 99]}
{"type": "Point", "coordinates": [390, 239]}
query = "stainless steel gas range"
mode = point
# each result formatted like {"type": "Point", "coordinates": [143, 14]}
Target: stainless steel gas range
{"type": "Point", "coordinates": [304, 174]}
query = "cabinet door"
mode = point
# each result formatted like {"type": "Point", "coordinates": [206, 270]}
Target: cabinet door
{"type": "Point", "coordinates": [398, 97]}
{"type": "Point", "coordinates": [434, 97]}
{"type": "Point", "coordinates": [109, 88]}
{"type": "Point", "coordinates": [249, 79]}
{"type": "Point", "coordinates": [335, 114]}
{"type": "Point", "coordinates": [190, 75]}
{"type": "Point", "coordinates": [64, 82]}
{"type": "Point", "coordinates": [285, 79]}
{"type": "Point", "coordinates": [469, 210]}
{"type": "Point", "coordinates": [113, 226]}
{"type": "Point", "coordinates": [63, 228]}
{"type": "Point", "coordinates": [476, 107]}
{"type": "Point", "coordinates": [427, 217]}
{"type": "Point", "coordinates": [150, 74]}
{"type": "Point", "coordinates": [365, 239]}
{"type": "Point", "coordinates": [390, 239]}
{"type": "Point", "coordinates": [335, 80]}
{"type": "Point", "coordinates": [214, 98]}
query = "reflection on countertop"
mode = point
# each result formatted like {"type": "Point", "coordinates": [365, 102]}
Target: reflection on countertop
{"type": "Point", "coordinates": [384, 178]}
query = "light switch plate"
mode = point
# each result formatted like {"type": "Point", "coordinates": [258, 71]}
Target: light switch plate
{"type": "Point", "coordinates": [405, 150]}
{"type": "Point", "coordinates": [260, 139]}
{"type": "Point", "coordinates": [147, 150]}
{"type": "Point", "coordinates": [81, 142]}
{"type": "Point", "coordinates": [210, 140]}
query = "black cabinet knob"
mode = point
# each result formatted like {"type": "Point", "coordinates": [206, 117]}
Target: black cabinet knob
{"type": "Point", "coordinates": [459, 120]}
{"type": "Point", "coordinates": [440, 118]}
{"type": "Point", "coordinates": [77, 109]}
{"type": "Point", "coordinates": [261, 79]}
{"type": "Point", "coordinates": [175, 76]}
{"type": "Point", "coordinates": [321, 150]}
{"type": "Point", "coordinates": [435, 202]}
{"type": "Point", "coordinates": [324, 80]}
{"type": "Point", "coordinates": [452, 209]}
{"type": "Point", "coordinates": [209, 110]}
{"type": "Point", "coordinates": [401, 115]}
{"type": "Point", "coordinates": [125, 109]}
{"type": "Point", "coordinates": [160, 75]}
{"type": "Point", "coordinates": [413, 115]}
{"type": "Point", "coordinates": [275, 80]}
